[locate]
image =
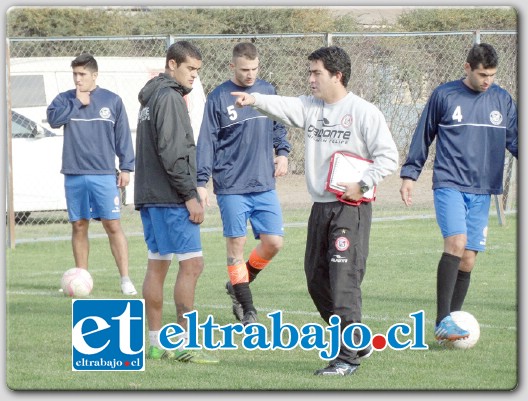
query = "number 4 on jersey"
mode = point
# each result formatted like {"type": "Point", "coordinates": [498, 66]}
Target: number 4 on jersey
{"type": "Point", "coordinates": [457, 114]}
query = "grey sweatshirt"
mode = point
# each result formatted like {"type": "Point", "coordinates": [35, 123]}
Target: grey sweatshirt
{"type": "Point", "coordinates": [351, 124]}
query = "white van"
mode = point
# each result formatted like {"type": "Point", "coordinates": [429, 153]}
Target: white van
{"type": "Point", "coordinates": [37, 157]}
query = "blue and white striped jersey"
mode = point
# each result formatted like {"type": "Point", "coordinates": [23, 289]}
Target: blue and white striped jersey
{"type": "Point", "coordinates": [235, 145]}
{"type": "Point", "coordinates": [472, 131]}
{"type": "Point", "coordinates": [94, 134]}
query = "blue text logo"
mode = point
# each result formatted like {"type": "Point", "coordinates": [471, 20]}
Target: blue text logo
{"type": "Point", "coordinates": [108, 334]}
{"type": "Point", "coordinates": [286, 336]}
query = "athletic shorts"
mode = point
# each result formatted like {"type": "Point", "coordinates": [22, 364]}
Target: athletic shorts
{"type": "Point", "coordinates": [168, 230]}
{"type": "Point", "coordinates": [463, 213]}
{"type": "Point", "coordinates": [92, 196]}
{"type": "Point", "coordinates": [262, 209]}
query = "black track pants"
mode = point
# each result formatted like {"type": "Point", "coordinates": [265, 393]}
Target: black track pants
{"type": "Point", "coordinates": [335, 260]}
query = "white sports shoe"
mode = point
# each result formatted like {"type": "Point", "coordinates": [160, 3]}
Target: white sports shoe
{"type": "Point", "coordinates": [128, 288]}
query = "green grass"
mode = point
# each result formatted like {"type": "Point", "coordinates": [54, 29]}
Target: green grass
{"type": "Point", "coordinates": [400, 279]}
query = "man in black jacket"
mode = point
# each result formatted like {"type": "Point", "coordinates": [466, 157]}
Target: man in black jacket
{"type": "Point", "coordinates": [166, 195]}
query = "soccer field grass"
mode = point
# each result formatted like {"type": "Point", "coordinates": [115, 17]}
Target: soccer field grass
{"type": "Point", "coordinates": [400, 280]}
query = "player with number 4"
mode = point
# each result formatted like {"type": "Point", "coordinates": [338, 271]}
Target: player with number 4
{"type": "Point", "coordinates": [473, 121]}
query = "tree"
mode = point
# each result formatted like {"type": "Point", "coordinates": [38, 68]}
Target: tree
{"type": "Point", "coordinates": [115, 21]}
{"type": "Point", "coordinates": [58, 21]}
{"type": "Point", "coordinates": [458, 19]}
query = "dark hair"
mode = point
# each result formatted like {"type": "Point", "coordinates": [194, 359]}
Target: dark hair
{"type": "Point", "coordinates": [334, 60]}
{"type": "Point", "coordinates": [246, 50]}
{"type": "Point", "coordinates": [87, 61]}
{"type": "Point", "coordinates": [484, 54]}
{"type": "Point", "coordinates": [179, 51]}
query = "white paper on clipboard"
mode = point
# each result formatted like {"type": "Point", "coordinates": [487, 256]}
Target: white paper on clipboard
{"type": "Point", "coordinates": [347, 167]}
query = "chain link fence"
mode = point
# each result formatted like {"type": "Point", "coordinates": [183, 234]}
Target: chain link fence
{"type": "Point", "coordinates": [395, 71]}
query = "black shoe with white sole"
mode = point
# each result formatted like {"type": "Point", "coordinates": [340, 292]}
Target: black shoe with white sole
{"type": "Point", "coordinates": [337, 369]}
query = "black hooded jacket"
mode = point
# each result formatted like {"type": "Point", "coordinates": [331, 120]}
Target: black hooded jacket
{"type": "Point", "coordinates": [165, 171]}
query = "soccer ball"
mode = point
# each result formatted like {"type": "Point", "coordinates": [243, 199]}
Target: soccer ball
{"type": "Point", "coordinates": [466, 321]}
{"type": "Point", "coordinates": [76, 282]}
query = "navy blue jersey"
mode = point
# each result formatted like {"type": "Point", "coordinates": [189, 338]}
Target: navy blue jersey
{"type": "Point", "coordinates": [236, 145]}
{"type": "Point", "coordinates": [94, 134]}
{"type": "Point", "coordinates": [472, 131]}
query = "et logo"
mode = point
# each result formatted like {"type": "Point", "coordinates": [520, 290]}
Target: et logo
{"type": "Point", "coordinates": [108, 334]}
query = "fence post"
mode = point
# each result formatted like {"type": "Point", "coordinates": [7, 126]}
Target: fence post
{"type": "Point", "coordinates": [476, 37]}
{"type": "Point", "coordinates": [9, 162]}
{"type": "Point", "coordinates": [328, 39]}
{"type": "Point", "coordinates": [507, 199]}
{"type": "Point", "coordinates": [169, 41]}
{"type": "Point", "coordinates": [500, 210]}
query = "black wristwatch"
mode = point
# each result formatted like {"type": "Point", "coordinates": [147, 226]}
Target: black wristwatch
{"type": "Point", "coordinates": [363, 187]}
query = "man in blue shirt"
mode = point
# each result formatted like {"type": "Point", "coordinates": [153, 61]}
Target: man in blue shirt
{"type": "Point", "coordinates": [235, 147]}
{"type": "Point", "coordinates": [96, 130]}
{"type": "Point", "coordinates": [473, 121]}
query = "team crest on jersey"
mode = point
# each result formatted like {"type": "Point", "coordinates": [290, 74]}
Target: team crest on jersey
{"type": "Point", "coordinates": [346, 121]}
{"type": "Point", "coordinates": [495, 117]}
{"type": "Point", "coordinates": [342, 244]}
{"type": "Point", "coordinates": [105, 112]}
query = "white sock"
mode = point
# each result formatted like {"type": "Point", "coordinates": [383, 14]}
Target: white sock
{"type": "Point", "coordinates": [185, 337]}
{"type": "Point", "coordinates": [153, 338]}
{"type": "Point", "coordinates": [125, 279]}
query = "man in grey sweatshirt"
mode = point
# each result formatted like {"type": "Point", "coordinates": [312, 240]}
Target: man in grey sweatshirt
{"type": "Point", "coordinates": [337, 243]}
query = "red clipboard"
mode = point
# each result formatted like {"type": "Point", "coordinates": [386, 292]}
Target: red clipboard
{"type": "Point", "coordinates": [348, 167]}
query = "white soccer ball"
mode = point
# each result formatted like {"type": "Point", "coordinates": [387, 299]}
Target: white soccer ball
{"type": "Point", "coordinates": [466, 321]}
{"type": "Point", "coordinates": [76, 282]}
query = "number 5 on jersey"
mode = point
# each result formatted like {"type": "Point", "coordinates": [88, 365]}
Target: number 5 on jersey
{"type": "Point", "coordinates": [232, 112]}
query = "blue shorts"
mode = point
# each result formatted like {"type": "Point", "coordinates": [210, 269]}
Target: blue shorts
{"type": "Point", "coordinates": [463, 213]}
{"type": "Point", "coordinates": [262, 209]}
{"type": "Point", "coordinates": [169, 230]}
{"type": "Point", "coordinates": [92, 196]}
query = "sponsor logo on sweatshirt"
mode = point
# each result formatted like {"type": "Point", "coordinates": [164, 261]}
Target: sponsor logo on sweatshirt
{"type": "Point", "coordinates": [331, 133]}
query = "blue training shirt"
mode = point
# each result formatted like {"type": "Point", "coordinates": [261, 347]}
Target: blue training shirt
{"type": "Point", "coordinates": [235, 145]}
{"type": "Point", "coordinates": [94, 134]}
{"type": "Point", "coordinates": [472, 131]}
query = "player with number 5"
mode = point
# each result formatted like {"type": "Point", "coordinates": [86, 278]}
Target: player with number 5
{"type": "Point", "coordinates": [473, 121]}
{"type": "Point", "coordinates": [236, 148]}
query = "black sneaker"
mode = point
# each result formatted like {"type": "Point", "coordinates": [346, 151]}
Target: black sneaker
{"type": "Point", "coordinates": [237, 307]}
{"type": "Point", "coordinates": [365, 352]}
{"type": "Point", "coordinates": [249, 317]}
{"type": "Point", "coordinates": [337, 369]}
